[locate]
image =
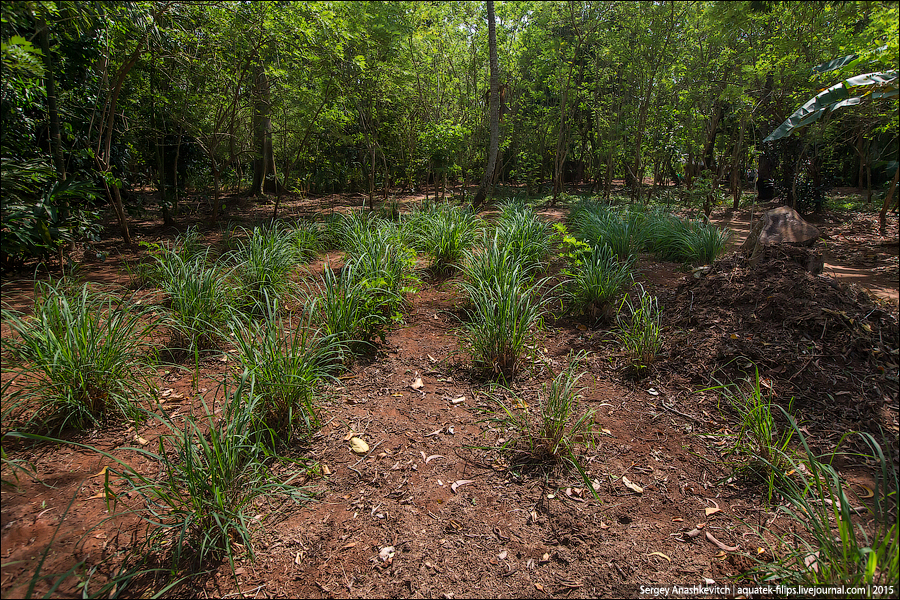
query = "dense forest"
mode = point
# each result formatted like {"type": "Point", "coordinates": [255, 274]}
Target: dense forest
{"type": "Point", "coordinates": [675, 98]}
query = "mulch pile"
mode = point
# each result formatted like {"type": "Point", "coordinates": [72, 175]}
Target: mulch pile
{"type": "Point", "coordinates": [823, 343]}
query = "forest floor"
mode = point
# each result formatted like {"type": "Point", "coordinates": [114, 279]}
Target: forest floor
{"type": "Point", "coordinates": [824, 342]}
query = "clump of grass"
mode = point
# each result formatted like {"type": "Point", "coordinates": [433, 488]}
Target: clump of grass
{"type": "Point", "coordinates": [445, 234]}
{"type": "Point", "coordinates": [839, 544]}
{"type": "Point", "coordinates": [505, 309]}
{"type": "Point", "coordinates": [306, 237]}
{"type": "Point", "coordinates": [549, 436]}
{"type": "Point", "coordinates": [383, 263]}
{"type": "Point", "coordinates": [211, 477]}
{"type": "Point", "coordinates": [638, 330]}
{"type": "Point", "coordinates": [759, 443]}
{"type": "Point", "coordinates": [595, 281]}
{"type": "Point", "coordinates": [186, 246]}
{"type": "Point", "coordinates": [524, 235]}
{"type": "Point", "coordinates": [350, 309]}
{"type": "Point", "coordinates": [263, 263]}
{"type": "Point", "coordinates": [288, 359]}
{"type": "Point", "coordinates": [624, 232]}
{"type": "Point", "coordinates": [200, 302]}
{"type": "Point", "coordinates": [692, 242]}
{"type": "Point", "coordinates": [79, 359]}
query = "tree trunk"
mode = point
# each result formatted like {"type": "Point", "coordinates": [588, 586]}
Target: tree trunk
{"type": "Point", "coordinates": [736, 189]}
{"type": "Point", "coordinates": [882, 216]}
{"type": "Point", "coordinates": [265, 177]}
{"type": "Point", "coordinates": [481, 194]}
{"type": "Point", "coordinates": [53, 114]}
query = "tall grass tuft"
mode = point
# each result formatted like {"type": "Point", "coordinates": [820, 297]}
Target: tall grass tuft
{"type": "Point", "coordinates": [212, 474]}
{"type": "Point", "coordinates": [525, 236]}
{"type": "Point", "coordinates": [549, 436]}
{"type": "Point", "coordinates": [691, 242]}
{"type": "Point", "coordinates": [263, 263]}
{"type": "Point", "coordinates": [382, 262]}
{"type": "Point", "coordinates": [288, 360]}
{"type": "Point", "coordinates": [595, 281]}
{"type": "Point", "coordinates": [350, 309]}
{"type": "Point", "coordinates": [760, 446]}
{"type": "Point", "coordinates": [638, 330]}
{"type": "Point", "coordinates": [78, 360]}
{"type": "Point", "coordinates": [200, 302]}
{"type": "Point", "coordinates": [445, 234]}
{"type": "Point", "coordinates": [505, 309]}
{"type": "Point", "coordinates": [624, 232]}
{"type": "Point", "coordinates": [839, 544]}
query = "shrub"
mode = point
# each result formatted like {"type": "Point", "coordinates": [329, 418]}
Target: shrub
{"type": "Point", "coordinates": [80, 357]}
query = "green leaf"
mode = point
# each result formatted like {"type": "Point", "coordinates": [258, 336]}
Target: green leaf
{"type": "Point", "coordinates": [835, 64]}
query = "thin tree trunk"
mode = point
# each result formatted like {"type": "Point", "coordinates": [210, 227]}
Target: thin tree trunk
{"type": "Point", "coordinates": [882, 216]}
{"type": "Point", "coordinates": [53, 114]}
{"type": "Point", "coordinates": [481, 194]}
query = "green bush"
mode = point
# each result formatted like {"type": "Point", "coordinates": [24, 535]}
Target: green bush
{"type": "Point", "coordinates": [78, 360]}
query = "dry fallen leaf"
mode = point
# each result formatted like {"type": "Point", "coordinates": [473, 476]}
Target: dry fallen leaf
{"type": "Point", "coordinates": [722, 546]}
{"type": "Point", "coordinates": [427, 460]}
{"type": "Point", "coordinates": [348, 545]}
{"type": "Point", "coordinates": [712, 511]}
{"type": "Point", "coordinates": [140, 440]}
{"type": "Point", "coordinates": [545, 558]}
{"type": "Point", "coordinates": [677, 520]}
{"type": "Point", "coordinates": [358, 446]}
{"type": "Point", "coordinates": [101, 473]}
{"type": "Point", "coordinates": [632, 486]}
{"type": "Point", "coordinates": [349, 435]}
{"type": "Point", "coordinates": [417, 384]}
{"type": "Point", "coordinates": [867, 492]}
{"type": "Point", "coordinates": [326, 470]}
{"type": "Point", "coordinates": [459, 483]}
{"type": "Point", "coordinates": [660, 554]}
{"type": "Point", "coordinates": [386, 554]}
{"type": "Point", "coordinates": [539, 587]}
{"type": "Point", "coordinates": [603, 525]}
{"type": "Point", "coordinates": [459, 400]}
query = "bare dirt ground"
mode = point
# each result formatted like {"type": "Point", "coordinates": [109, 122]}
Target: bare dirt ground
{"type": "Point", "coordinates": [508, 531]}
